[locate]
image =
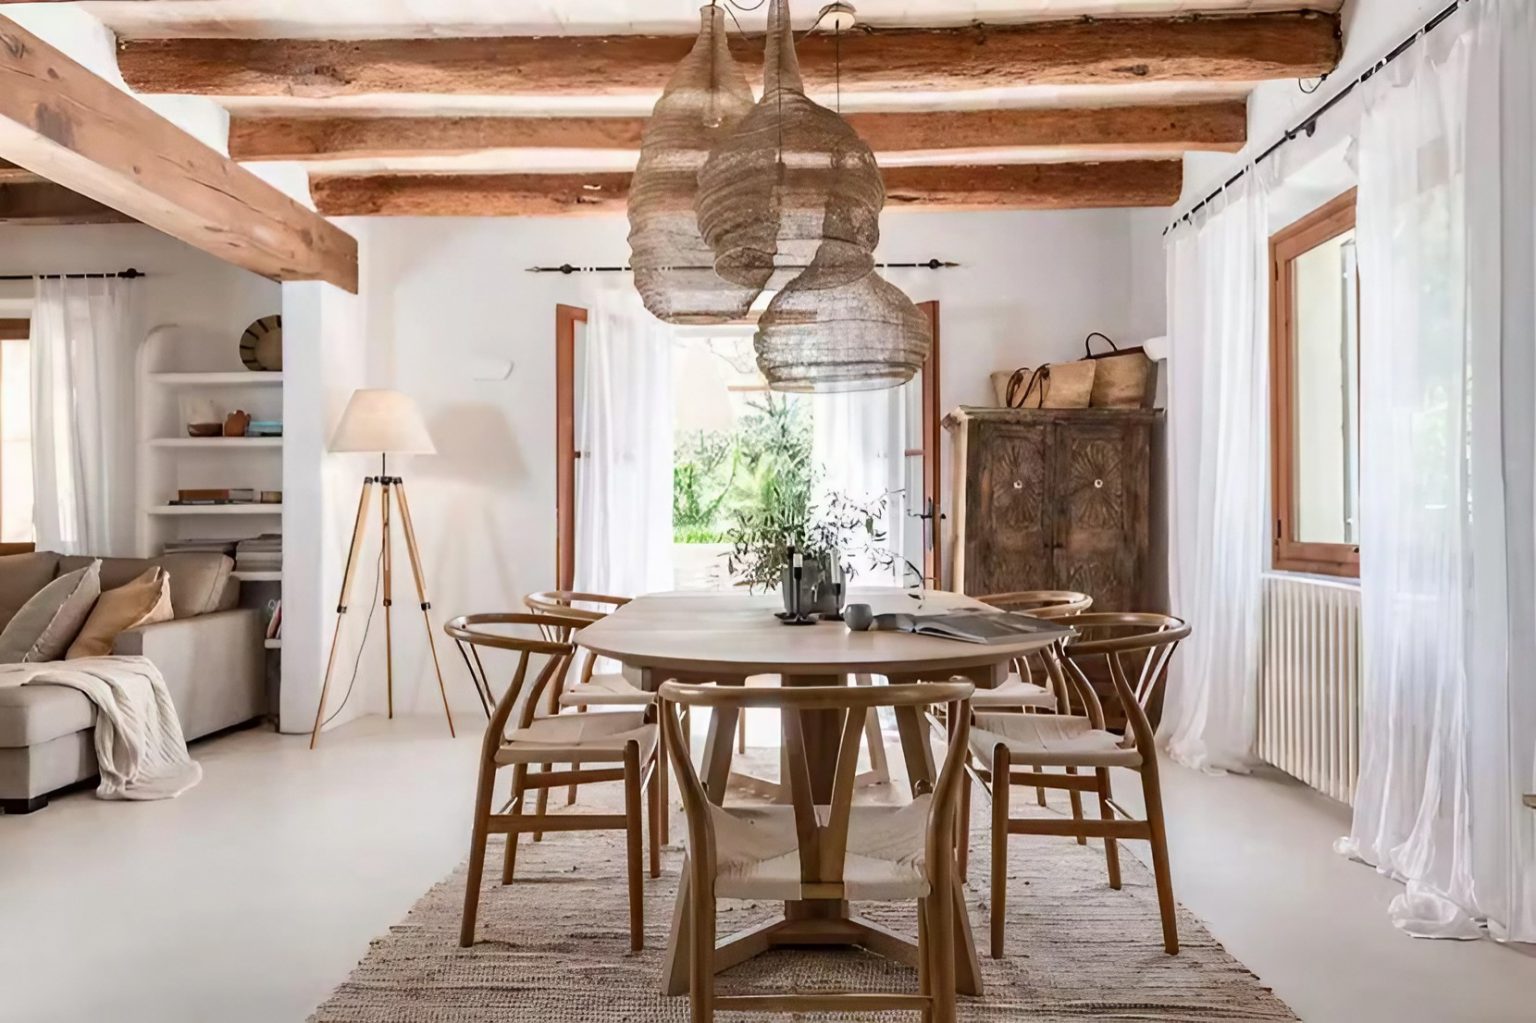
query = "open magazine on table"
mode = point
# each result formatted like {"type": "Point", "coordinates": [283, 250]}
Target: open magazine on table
{"type": "Point", "coordinates": [974, 626]}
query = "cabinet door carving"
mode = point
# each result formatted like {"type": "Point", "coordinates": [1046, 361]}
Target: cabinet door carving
{"type": "Point", "coordinates": [1102, 519]}
{"type": "Point", "coordinates": [1012, 549]}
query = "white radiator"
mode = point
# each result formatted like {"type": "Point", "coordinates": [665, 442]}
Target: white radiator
{"type": "Point", "coordinates": [1309, 682]}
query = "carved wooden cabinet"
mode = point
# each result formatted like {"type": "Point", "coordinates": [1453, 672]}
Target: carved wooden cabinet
{"type": "Point", "coordinates": [1056, 499]}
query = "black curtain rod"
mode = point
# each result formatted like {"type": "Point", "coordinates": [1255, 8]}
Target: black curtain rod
{"type": "Point", "coordinates": [1308, 126]}
{"type": "Point", "coordinates": [129, 274]}
{"type": "Point", "coordinates": [567, 268]}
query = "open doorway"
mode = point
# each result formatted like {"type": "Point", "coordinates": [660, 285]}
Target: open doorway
{"type": "Point", "coordinates": [729, 433]}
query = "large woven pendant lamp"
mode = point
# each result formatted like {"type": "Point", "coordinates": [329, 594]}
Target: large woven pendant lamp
{"type": "Point", "coordinates": [793, 182]}
{"type": "Point", "coordinates": [861, 336]}
{"type": "Point", "coordinates": [704, 100]}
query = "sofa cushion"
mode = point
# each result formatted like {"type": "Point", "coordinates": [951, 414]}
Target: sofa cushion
{"type": "Point", "coordinates": [30, 715]}
{"type": "Point", "coordinates": [22, 575]}
{"type": "Point", "coordinates": [142, 601]}
{"type": "Point", "coordinates": [200, 580]}
{"type": "Point", "coordinates": [45, 626]}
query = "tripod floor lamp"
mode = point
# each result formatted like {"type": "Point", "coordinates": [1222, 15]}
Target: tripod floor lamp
{"type": "Point", "coordinates": [382, 422]}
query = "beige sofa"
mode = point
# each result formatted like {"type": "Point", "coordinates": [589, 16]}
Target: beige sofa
{"type": "Point", "coordinates": [210, 654]}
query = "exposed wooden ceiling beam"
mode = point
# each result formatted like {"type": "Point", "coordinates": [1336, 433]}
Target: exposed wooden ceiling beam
{"type": "Point", "coordinates": [1237, 48]}
{"type": "Point", "coordinates": [63, 122]}
{"type": "Point", "coordinates": [1023, 186]}
{"type": "Point", "coordinates": [1174, 128]}
{"type": "Point", "coordinates": [42, 203]}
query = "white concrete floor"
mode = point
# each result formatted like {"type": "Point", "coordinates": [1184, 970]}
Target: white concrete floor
{"type": "Point", "coordinates": [251, 897]}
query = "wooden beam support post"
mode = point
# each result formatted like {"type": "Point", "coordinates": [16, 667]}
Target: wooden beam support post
{"type": "Point", "coordinates": [59, 120]}
{"type": "Point", "coordinates": [1008, 186]}
{"type": "Point", "coordinates": [1166, 128]}
{"type": "Point", "coordinates": [1239, 48]}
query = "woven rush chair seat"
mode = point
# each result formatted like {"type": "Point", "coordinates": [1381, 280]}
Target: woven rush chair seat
{"type": "Point", "coordinates": [606, 689]}
{"type": "Point", "coordinates": [757, 853]}
{"type": "Point", "coordinates": [1054, 739]}
{"type": "Point", "coordinates": [1015, 692]}
{"type": "Point", "coordinates": [584, 738]}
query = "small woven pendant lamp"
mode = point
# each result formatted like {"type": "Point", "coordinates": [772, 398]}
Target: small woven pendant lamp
{"type": "Point", "coordinates": [793, 182]}
{"type": "Point", "coordinates": [706, 97]}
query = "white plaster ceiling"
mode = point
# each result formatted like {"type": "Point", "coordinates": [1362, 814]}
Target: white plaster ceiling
{"type": "Point", "coordinates": [370, 19]}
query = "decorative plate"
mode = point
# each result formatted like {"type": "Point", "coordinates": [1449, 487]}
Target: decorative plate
{"type": "Point", "coordinates": [261, 346]}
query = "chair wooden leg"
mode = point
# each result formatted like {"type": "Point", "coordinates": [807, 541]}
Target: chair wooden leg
{"type": "Point", "coordinates": [999, 895]}
{"type": "Point", "coordinates": [663, 784]}
{"type": "Point", "coordinates": [1040, 794]}
{"type": "Point", "coordinates": [632, 846]}
{"type": "Point", "coordinates": [925, 956]}
{"type": "Point", "coordinates": [741, 733]}
{"type": "Point", "coordinates": [941, 929]}
{"type": "Point", "coordinates": [509, 855]}
{"type": "Point", "coordinates": [653, 813]}
{"type": "Point", "coordinates": [543, 802]}
{"type": "Point", "coordinates": [1111, 845]}
{"type": "Point", "coordinates": [484, 793]}
{"type": "Point", "coordinates": [701, 957]}
{"type": "Point", "coordinates": [570, 793]}
{"type": "Point", "coordinates": [1153, 795]}
{"type": "Point", "coordinates": [963, 830]}
{"type": "Point", "coordinates": [1077, 808]}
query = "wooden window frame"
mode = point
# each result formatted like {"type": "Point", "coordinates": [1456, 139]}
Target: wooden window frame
{"type": "Point", "coordinates": [1327, 222]}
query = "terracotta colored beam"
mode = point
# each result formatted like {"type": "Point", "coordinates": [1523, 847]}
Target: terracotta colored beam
{"type": "Point", "coordinates": [1115, 50]}
{"type": "Point", "coordinates": [1014, 186]}
{"type": "Point", "coordinates": [1166, 128]}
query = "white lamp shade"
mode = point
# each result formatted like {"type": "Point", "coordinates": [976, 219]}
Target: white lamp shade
{"type": "Point", "coordinates": [381, 421]}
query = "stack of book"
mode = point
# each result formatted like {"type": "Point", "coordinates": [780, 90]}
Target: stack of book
{"type": "Point", "coordinates": [262, 553]}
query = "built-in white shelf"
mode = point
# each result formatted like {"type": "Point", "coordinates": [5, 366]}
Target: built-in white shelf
{"type": "Point", "coordinates": [257, 577]}
{"type": "Point", "coordinates": [272, 644]}
{"type": "Point", "coordinates": [230, 443]}
{"type": "Point", "coordinates": [234, 378]}
{"type": "Point", "coordinates": [252, 508]}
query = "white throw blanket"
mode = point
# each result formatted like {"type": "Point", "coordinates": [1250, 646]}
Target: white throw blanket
{"type": "Point", "coordinates": [140, 750]}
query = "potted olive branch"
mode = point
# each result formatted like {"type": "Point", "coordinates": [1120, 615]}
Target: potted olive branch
{"type": "Point", "coordinates": [827, 531]}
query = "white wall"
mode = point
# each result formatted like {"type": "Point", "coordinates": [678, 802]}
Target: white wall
{"type": "Point", "coordinates": [444, 296]}
{"type": "Point", "coordinates": [203, 304]}
{"type": "Point", "coordinates": [1371, 29]}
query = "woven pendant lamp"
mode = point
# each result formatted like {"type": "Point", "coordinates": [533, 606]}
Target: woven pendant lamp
{"type": "Point", "coordinates": [793, 182]}
{"type": "Point", "coordinates": [861, 336]}
{"type": "Point", "coordinates": [704, 100]}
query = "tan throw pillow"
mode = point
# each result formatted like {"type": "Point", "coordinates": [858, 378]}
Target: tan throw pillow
{"type": "Point", "coordinates": [145, 600]}
{"type": "Point", "coordinates": [44, 627]}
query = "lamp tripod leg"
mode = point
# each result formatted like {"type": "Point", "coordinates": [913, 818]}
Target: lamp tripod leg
{"type": "Point", "coordinates": [387, 560]}
{"type": "Point", "coordinates": [341, 604]}
{"type": "Point", "coordinates": [421, 594]}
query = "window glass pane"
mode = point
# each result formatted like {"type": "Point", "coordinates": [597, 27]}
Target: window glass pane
{"type": "Point", "coordinates": [1326, 392]}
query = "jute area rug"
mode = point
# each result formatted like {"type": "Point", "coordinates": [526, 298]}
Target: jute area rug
{"type": "Point", "coordinates": [554, 946]}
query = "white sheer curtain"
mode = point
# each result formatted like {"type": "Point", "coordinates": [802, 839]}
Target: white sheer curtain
{"type": "Point", "coordinates": [1218, 470]}
{"type": "Point", "coordinates": [1448, 716]}
{"type": "Point", "coordinates": [82, 336]}
{"type": "Point", "coordinates": [859, 444]}
{"type": "Point", "coordinates": [624, 475]}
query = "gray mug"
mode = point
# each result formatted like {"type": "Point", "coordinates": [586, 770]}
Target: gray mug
{"type": "Point", "coordinates": [858, 616]}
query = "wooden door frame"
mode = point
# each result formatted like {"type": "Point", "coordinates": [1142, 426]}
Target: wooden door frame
{"type": "Point", "coordinates": [933, 435]}
{"type": "Point", "coordinates": [566, 318]}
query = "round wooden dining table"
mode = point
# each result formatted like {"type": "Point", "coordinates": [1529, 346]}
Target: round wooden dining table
{"type": "Point", "coordinates": [726, 638]}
